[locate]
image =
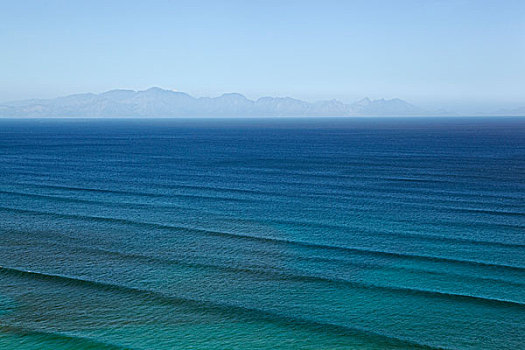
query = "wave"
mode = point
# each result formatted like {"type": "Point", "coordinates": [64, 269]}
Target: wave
{"type": "Point", "coordinates": [420, 236]}
{"type": "Point", "coordinates": [100, 202]}
{"type": "Point", "coordinates": [143, 194]}
{"type": "Point", "coordinates": [275, 274]}
{"type": "Point", "coordinates": [347, 190]}
{"type": "Point", "coordinates": [221, 308]}
{"type": "Point", "coordinates": [366, 195]}
{"type": "Point", "coordinates": [359, 193]}
{"type": "Point", "coordinates": [271, 239]}
{"type": "Point", "coordinates": [440, 177]}
{"type": "Point", "coordinates": [72, 341]}
{"type": "Point", "coordinates": [305, 258]}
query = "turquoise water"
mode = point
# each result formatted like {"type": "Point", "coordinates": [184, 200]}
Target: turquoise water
{"type": "Point", "coordinates": [262, 234]}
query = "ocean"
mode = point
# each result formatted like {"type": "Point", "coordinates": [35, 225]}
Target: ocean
{"type": "Point", "coordinates": [277, 233]}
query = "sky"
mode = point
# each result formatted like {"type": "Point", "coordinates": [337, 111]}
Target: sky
{"type": "Point", "coordinates": [450, 54]}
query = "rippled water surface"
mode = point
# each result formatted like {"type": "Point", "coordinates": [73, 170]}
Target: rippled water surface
{"type": "Point", "coordinates": [262, 234]}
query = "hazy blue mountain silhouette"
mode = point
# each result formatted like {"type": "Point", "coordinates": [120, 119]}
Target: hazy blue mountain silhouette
{"type": "Point", "coordinates": [157, 102]}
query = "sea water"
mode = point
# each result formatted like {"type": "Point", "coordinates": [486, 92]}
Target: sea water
{"type": "Point", "coordinates": [329, 233]}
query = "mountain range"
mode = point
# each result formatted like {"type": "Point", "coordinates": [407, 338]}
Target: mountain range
{"type": "Point", "coordinates": [157, 102]}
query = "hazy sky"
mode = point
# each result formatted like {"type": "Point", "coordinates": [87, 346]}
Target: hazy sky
{"type": "Point", "coordinates": [427, 52]}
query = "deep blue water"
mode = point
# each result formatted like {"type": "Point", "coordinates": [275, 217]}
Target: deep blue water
{"type": "Point", "coordinates": [263, 233]}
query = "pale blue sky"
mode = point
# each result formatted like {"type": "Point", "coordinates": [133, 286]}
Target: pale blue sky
{"type": "Point", "coordinates": [428, 52]}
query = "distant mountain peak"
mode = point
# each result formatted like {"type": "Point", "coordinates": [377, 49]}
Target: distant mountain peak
{"type": "Point", "coordinates": [383, 107]}
{"type": "Point", "coordinates": [233, 95]}
{"type": "Point", "coordinates": [156, 89]}
{"type": "Point", "coordinates": [118, 91]}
